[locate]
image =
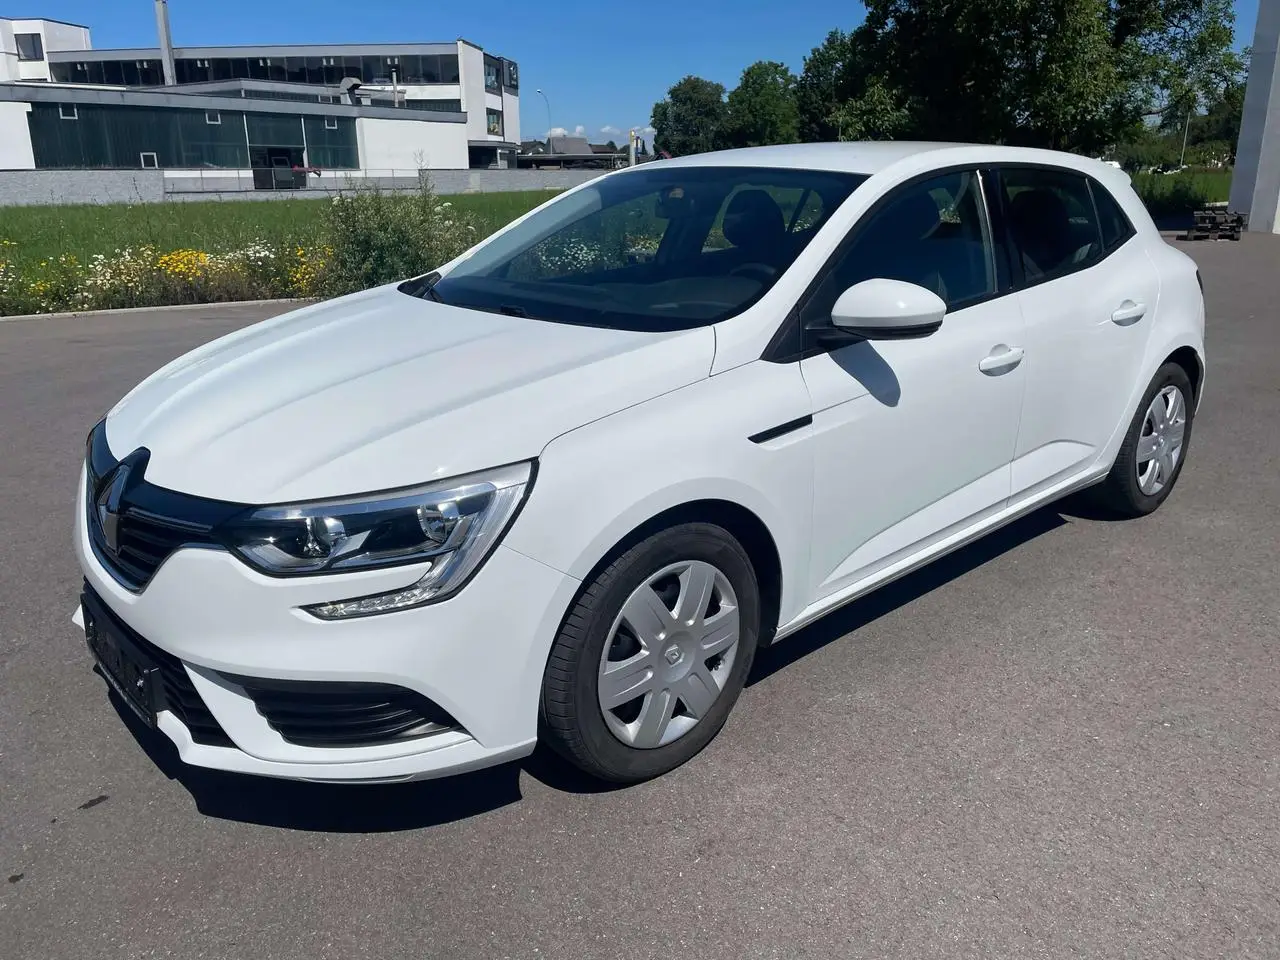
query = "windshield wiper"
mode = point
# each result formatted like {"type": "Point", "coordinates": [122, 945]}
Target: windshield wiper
{"type": "Point", "coordinates": [423, 287]}
{"type": "Point", "coordinates": [511, 310]}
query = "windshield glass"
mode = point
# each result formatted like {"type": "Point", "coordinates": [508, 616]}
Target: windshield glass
{"type": "Point", "coordinates": [660, 248]}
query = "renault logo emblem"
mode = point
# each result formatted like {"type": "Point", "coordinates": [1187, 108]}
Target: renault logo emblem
{"type": "Point", "coordinates": [109, 506]}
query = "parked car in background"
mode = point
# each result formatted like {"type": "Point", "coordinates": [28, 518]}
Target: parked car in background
{"type": "Point", "coordinates": [560, 489]}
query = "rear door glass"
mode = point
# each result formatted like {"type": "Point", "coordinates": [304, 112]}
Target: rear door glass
{"type": "Point", "coordinates": [1051, 220]}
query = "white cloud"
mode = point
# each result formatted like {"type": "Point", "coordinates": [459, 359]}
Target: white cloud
{"type": "Point", "coordinates": [648, 131]}
{"type": "Point", "coordinates": [609, 130]}
{"type": "Point", "coordinates": [558, 132]}
{"type": "Point", "coordinates": [579, 131]}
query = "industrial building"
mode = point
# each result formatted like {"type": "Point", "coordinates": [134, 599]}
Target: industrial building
{"type": "Point", "coordinates": [276, 116]}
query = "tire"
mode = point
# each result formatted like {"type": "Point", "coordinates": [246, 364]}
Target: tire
{"type": "Point", "coordinates": [574, 719]}
{"type": "Point", "coordinates": [1122, 492]}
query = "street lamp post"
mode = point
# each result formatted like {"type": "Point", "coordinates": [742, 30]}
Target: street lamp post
{"type": "Point", "coordinates": [548, 103]}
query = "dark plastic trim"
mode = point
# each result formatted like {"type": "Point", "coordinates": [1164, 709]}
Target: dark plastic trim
{"type": "Point", "coordinates": [782, 429]}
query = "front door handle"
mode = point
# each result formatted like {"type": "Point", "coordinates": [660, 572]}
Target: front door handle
{"type": "Point", "coordinates": [1001, 360]}
{"type": "Point", "coordinates": [1128, 312]}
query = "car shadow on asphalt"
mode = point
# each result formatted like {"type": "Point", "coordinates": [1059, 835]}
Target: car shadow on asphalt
{"type": "Point", "coordinates": [330, 808]}
{"type": "Point", "coordinates": [379, 808]}
{"type": "Point", "coordinates": [353, 808]}
{"type": "Point", "coordinates": [914, 585]}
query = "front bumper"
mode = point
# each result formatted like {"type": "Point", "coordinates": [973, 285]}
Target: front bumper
{"type": "Point", "coordinates": [479, 655]}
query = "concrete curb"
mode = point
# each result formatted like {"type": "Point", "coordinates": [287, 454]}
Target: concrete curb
{"type": "Point", "coordinates": [90, 314]}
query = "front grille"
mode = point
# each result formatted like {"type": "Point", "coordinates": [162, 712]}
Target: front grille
{"type": "Point", "coordinates": [336, 714]}
{"type": "Point", "coordinates": [149, 523]}
{"type": "Point", "coordinates": [175, 693]}
{"type": "Point", "coordinates": [143, 542]}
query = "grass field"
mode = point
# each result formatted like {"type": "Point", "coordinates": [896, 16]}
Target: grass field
{"type": "Point", "coordinates": [43, 233]}
{"type": "Point", "coordinates": [1178, 194]}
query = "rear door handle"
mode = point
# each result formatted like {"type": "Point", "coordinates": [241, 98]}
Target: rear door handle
{"type": "Point", "coordinates": [1128, 312]}
{"type": "Point", "coordinates": [1001, 360]}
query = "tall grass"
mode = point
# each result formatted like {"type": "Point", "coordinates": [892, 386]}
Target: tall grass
{"type": "Point", "coordinates": [1177, 195]}
{"type": "Point", "coordinates": [44, 233]}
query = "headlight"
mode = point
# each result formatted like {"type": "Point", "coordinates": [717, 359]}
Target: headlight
{"type": "Point", "coordinates": [451, 525]}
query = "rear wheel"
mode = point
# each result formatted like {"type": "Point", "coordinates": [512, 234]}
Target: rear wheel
{"type": "Point", "coordinates": [652, 657]}
{"type": "Point", "coordinates": [1155, 447]}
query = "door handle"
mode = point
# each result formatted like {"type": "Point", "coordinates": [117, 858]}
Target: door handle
{"type": "Point", "coordinates": [1001, 359]}
{"type": "Point", "coordinates": [1128, 312]}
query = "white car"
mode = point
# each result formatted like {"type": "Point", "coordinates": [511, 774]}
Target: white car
{"type": "Point", "coordinates": [569, 484]}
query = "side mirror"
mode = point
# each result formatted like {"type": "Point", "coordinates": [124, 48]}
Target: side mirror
{"type": "Point", "coordinates": [888, 310]}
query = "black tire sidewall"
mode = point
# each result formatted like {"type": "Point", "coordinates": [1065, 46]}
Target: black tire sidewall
{"type": "Point", "coordinates": [1123, 480]}
{"type": "Point", "coordinates": [613, 759]}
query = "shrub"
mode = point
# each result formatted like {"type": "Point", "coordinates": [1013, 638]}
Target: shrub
{"type": "Point", "coordinates": [1180, 194]}
{"type": "Point", "coordinates": [371, 237]}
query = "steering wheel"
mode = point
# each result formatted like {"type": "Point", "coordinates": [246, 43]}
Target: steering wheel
{"type": "Point", "coordinates": [754, 271]}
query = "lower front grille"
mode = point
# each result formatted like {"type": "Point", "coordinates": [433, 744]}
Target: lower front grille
{"type": "Point", "coordinates": [176, 692]}
{"type": "Point", "coordinates": [338, 714]}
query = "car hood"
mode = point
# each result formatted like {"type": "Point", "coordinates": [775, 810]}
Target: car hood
{"type": "Point", "coordinates": [381, 390]}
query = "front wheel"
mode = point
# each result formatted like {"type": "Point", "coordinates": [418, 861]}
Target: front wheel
{"type": "Point", "coordinates": [1154, 450]}
{"type": "Point", "coordinates": [653, 655]}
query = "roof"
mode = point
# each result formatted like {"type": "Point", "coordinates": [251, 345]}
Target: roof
{"type": "Point", "coordinates": [571, 145]}
{"type": "Point", "coordinates": [41, 92]}
{"type": "Point", "coordinates": [65, 23]}
{"type": "Point", "coordinates": [870, 157]}
{"type": "Point", "coordinates": [254, 50]}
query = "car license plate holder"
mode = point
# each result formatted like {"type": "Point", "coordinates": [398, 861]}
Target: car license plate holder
{"type": "Point", "coordinates": [126, 668]}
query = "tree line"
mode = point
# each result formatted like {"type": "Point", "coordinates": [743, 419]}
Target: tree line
{"type": "Point", "coordinates": [1117, 77]}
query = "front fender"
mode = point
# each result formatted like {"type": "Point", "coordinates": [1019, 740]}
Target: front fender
{"type": "Point", "coordinates": [600, 482]}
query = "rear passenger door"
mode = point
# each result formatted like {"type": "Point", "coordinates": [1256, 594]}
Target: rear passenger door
{"type": "Point", "coordinates": [1088, 292]}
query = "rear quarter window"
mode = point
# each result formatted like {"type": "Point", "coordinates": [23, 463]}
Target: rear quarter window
{"type": "Point", "coordinates": [1116, 228]}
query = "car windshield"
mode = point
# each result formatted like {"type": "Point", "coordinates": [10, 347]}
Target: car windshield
{"type": "Point", "coordinates": [661, 248]}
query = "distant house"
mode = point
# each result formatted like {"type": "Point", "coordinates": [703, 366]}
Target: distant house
{"type": "Point", "coordinates": [531, 148]}
{"type": "Point", "coordinates": [571, 146]}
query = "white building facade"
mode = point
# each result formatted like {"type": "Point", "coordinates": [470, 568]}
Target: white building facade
{"type": "Point", "coordinates": [379, 109]}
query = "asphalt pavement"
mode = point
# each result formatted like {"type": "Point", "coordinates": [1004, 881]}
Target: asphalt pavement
{"type": "Point", "coordinates": [1063, 741]}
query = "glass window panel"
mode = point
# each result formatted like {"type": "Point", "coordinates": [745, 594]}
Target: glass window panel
{"type": "Point", "coordinates": [353, 67]}
{"type": "Point", "coordinates": [410, 68]}
{"type": "Point", "coordinates": [274, 130]}
{"type": "Point", "coordinates": [331, 147]}
{"type": "Point", "coordinates": [129, 70]}
{"type": "Point", "coordinates": [449, 68]}
{"type": "Point", "coordinates": [30, 46]}
{"type": "Point", "coordinates": [1051, 220]}
{"type": "Point", "coordinates": [295, 69]}
{"type": "Point", "coordinates": [930, 233]}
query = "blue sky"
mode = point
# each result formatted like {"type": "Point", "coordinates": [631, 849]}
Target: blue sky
{"type": "Point", "coordinates": [602, 64]}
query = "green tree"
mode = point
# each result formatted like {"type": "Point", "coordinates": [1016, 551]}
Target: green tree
{"type": "Point", "coordinates": [691, 118]}
{"type": "Point", "coordinates": [762, 109]}
{"type": "Point", "coordinates": [1067, 74]}
{"type": "Point", "coordinates": [824, 86]}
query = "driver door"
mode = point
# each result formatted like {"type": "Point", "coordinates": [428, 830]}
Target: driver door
{"type": "Point", "coordinates": [913, 439]}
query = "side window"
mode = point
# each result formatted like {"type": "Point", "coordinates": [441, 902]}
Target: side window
{"type": "Point", "coordinates": [1116, 228]}
{"type": "Point", "coordinates": [933, 233]}
{"type": "Point", "coordinates": [1051, 220]}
